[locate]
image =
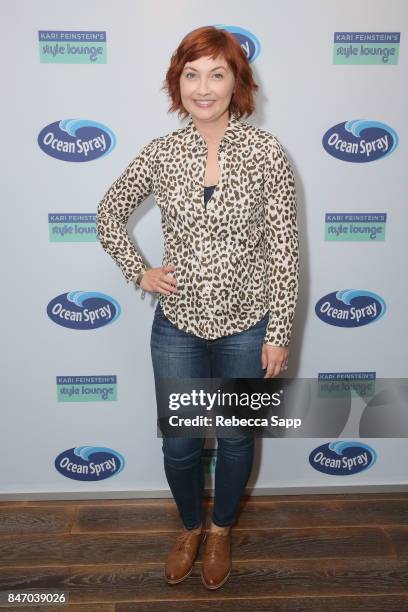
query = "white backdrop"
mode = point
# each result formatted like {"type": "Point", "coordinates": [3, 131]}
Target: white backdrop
{"type": "Point", "coordinates": [303, 93]}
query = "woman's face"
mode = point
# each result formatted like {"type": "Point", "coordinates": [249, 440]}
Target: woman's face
{"type": "Point", "coordinates": [206, 87]}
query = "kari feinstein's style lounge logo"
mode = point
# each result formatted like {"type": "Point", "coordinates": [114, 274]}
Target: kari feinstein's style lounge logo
{"type": "Point", "coordinates": [360, 140]}
{"type": "Point", "coordinates": [87, 388]}
{"type": "Point", "coordinates": [89, 463]}
{"type": "Point", "coordinates": [355, 227]}
{"type": "Point", "coordinates": [345, 384]}
{"type": "Point", "coordinates": [366, 48]}
{"type": "Point", "coordinates": [76, 140]}
{"type": "Point", "coordinates": [72, 47]}
{"type": "Point", "coordinates": [248, 41]}
{"type": "Point", "coordinates": [83, 309]}
{"type": "Point", "coordinates": [342, 458]}
{"type": "Point", "coordinates": [72, 227]}
{"type": "Point", "coordinates": [350, 308]}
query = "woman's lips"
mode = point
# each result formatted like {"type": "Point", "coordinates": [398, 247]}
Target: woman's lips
{"type": "Point", "coordinates": [204, 104]}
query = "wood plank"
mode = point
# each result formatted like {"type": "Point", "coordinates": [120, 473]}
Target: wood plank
{"type": "Point", "coordinates": [165, 517]}
{"type": "Point", "coordinates": [22, 520]}
{"type": "Point", "coordinates": [374, 603]}
{"type": "Point", "coordinates": [276, 514]}
{"type": "Point", "coordinates": [350, 603]}
{"type": "Point", "coordinates": [265, 578]}
{"type": "Point", "coordinates": [208, 498]}
{"type": "Point", "coordinates": [87, 607]}
{"type": "Point", "coordinates": [311, 543]}
{"type": "Point", "coordinates": [314, 553]}
{"type": "Point", "coordinates": [151, 547]}
{"type": "Point", "coordinates": [309, 513]}
{"type": "Point", "coordinates": [398, 536]}
{"type": "Point", "coordinates": [93, 607]}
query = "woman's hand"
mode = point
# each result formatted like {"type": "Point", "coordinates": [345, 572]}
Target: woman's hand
{"type": "Point", "coordinates": [159, 280]}
{"type": "Point", "coordinates": [275, 359]}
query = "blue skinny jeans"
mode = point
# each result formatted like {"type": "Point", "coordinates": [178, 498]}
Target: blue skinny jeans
{"type": "Point", "coordinates": [178, 354]}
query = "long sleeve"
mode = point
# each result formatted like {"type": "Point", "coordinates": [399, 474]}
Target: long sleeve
{"type": "Point", "coordinates": [282, 244]}
{"type": "Point", "coordinates": [129, 190]}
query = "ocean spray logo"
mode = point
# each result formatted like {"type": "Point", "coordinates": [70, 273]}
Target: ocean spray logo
{"type": "Point", "coordinates": [83, 309]}
{"type": "Point", "coordinates": [355, 227]}
{"type": "Point", "coordinates": [76, 140]}
{"type": "Point", "coordinates": [86, 388]}
{"type": "Point", "coordinates": [89, 463]}
{"type": "Point", "coordinates": [72, 227]}
{"type": "Point", "coordinates": [366, 48]}
{"type": "Point", "coordinates": [248, 41]}
{"type": "Point", "coordinates": [360, 141]}
{"type": "Point", "coordinates": [350, 308]}
{"type": "Point", "coordinates": [72, 47]}
{"type": "Point", "coordinates": [342, 458]}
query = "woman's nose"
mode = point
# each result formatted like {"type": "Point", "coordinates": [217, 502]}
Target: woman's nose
{"type": "Point", "coordinates": [203, 88]}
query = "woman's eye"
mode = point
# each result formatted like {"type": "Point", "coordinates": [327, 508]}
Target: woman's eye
{"type": "Point", "coordinates": [218, 74]}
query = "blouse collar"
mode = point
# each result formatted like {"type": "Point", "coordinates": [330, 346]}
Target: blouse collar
{"type": "Point", "coordinates": [234, 133]}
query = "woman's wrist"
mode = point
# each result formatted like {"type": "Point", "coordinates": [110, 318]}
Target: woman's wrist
{"type": "Point", "coordinates": [138, 278]}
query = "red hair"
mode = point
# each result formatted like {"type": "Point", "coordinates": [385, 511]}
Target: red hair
{"type": "Point", "coordinates": [213, 42]}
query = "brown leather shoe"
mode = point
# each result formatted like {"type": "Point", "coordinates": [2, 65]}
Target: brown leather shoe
{"type": "Point", "coordinates": [181, 558]}
{"type": "Point", "coordinates": [216, 559]}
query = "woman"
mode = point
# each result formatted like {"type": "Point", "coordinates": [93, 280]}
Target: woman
{"type": "Point", "coordinates": [229, 280]}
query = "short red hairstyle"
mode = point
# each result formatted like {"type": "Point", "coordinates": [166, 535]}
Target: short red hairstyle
{"type": "Point", "coordinates": [213, 42]}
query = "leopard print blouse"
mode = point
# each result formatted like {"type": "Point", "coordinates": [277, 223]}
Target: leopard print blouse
{"type": "Point", "coordinates": [236, 258]}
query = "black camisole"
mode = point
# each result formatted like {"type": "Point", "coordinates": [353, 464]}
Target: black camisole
{"type": "Point", "coordinates": [208, 193]}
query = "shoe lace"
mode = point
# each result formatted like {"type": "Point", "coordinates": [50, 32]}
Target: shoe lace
{"type": "Point", "coordinates": [182, 540]}
{"type": "Point", "coordinates": [212, 543]}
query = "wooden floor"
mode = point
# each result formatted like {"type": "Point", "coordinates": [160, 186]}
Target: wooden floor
{"type": "Point", "coordinates": [290, 553]}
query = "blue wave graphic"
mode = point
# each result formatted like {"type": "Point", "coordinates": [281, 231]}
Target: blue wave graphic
{"type": "Point", "coordinates": [245, 34]}
{"type": "Point", "coordinates": [356, 126]}
{"type": "Point", "coordinates": [86, 452]}
{"type": "Point", "coordinates": [70, 126]}
{"type": "Point", "coordinates": [79, 297]}
{"type": "Point", "coordinates": [347, 295]}
{"type": "Point", "coordinates": [339, 446]}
